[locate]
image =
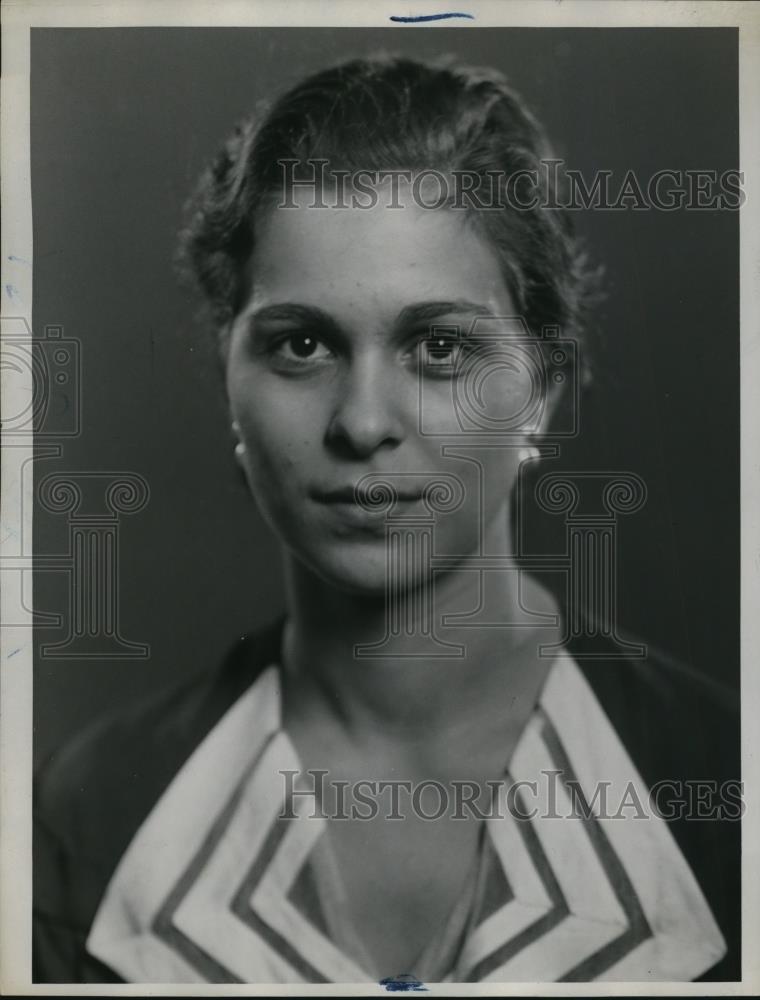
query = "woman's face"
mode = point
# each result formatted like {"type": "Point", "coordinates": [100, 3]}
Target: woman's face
{"type": "Point", "coordinates": [332, 376]}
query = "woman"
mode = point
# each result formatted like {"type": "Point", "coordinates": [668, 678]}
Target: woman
{"type": "Point", "coordinates": [380, 252]}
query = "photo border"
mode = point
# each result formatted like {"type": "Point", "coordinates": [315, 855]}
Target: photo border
{"type": "Point", "coordinates": [16, 647]}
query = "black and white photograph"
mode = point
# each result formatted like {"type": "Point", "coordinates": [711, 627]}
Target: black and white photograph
{"type": "Point", "coordinates": [379, 571]}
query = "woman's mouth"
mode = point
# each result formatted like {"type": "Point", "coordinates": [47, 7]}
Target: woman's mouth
{"type": "Point", "coordinates": [364, 508]}
{"type": "Point", "coordinates": [367, 499]}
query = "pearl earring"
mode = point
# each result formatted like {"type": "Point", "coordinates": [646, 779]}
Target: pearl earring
{"type": "Point", "coordinates": [239, 446]}
{"type": "Point", "coordinates": [528, 454]}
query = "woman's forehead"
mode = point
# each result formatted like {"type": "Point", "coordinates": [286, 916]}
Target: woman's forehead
{"type": "Point", "coordinates": [377, 259]}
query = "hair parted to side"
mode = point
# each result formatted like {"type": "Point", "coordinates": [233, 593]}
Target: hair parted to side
{"type": "Point", "coordinates": [394, 113]}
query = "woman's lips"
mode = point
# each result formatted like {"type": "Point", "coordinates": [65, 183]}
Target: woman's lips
{"type": "Point", "coordinates": [348, 508]}
{"type": "Point", "coordinates": [349, 494]}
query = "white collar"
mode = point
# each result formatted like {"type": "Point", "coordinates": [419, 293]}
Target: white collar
{"type": "Point", "coordinates": [200, 895]}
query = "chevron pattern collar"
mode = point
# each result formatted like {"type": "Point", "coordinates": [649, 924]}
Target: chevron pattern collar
{"type": "Point", "coordinates": [212, 888]}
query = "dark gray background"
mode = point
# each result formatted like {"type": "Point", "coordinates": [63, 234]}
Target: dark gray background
{"type": "Point", "coordinates": [122, 122]}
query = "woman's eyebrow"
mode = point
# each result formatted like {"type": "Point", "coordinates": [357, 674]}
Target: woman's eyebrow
{"type": "Point", "coordinates": [295, 312]}
{"type": "Point", "coordinates": [421, 311]}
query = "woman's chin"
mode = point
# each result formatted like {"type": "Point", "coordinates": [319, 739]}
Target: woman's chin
{"type": "Point", "coordinates": [359, 569]}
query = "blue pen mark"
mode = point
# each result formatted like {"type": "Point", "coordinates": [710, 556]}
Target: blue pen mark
{"type": "Point", "coordinates": [18, 260]}
{"type": "Point", "coordinates": [411, 19]}
{"type": "Point", "coordinates": [404, 983]}
{"type": "Point", "coordinates": [13, 293]}
{"type": "Point", "coordinates": [13, 653]}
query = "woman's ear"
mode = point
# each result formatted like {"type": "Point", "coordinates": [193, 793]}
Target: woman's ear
{"type": "Point", "coordinates": [531, 451]}
{"type": "Point", "coordinates": [553, 401]}
{"type": "Point", "coordinates": [223, 343]}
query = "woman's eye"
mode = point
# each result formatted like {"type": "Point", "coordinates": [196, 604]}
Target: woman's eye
{"type": "Point", "coordinates": [300, 348]}
{"type": "Point", "coordinates": [441, 353]}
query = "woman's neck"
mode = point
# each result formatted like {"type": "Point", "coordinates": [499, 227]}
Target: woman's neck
{"type": "Point", "coordinates": [404, 689]}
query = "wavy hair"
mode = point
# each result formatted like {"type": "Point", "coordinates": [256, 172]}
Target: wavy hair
{"type": "Point", "coordinates": [394, 113]}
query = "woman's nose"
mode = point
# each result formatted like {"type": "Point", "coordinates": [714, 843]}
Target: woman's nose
{"type": "Point", "coordinates": [368, 413]}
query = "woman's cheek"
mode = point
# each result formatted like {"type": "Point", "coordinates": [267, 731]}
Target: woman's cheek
{"type": "Point", "coordinates": [269, 486]}
{"type": "Point", "coordinates": [275, 469]}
